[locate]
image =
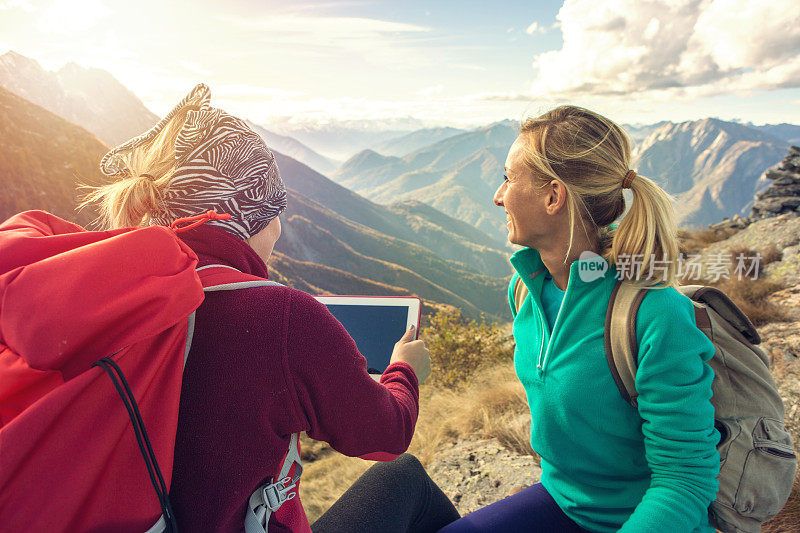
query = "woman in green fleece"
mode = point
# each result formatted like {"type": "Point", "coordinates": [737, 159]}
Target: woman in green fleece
{"type": "Point", "coordinates": [606, 466]}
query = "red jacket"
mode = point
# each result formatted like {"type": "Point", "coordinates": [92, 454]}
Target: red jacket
{"type": "Point", "coordinates": [266, 362]}
{"type": "Point", "coordinates": [68, 458]}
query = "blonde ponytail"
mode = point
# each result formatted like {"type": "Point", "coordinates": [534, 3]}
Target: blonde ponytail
{"type": "Point", "coordinates": [590, 155]}
{"type": "Point", "coordinates": [128, 202]}
{"type": "Point", "coordinates": [147, 171]}
{"type": "Point", "coordinates": [645, 244]}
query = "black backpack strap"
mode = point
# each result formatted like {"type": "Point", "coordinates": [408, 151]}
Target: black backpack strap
{"type": "Point", "coordinates": [162, 493]}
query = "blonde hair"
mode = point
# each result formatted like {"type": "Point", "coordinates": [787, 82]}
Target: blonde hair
{"type": "Point", "coordinates": [590, 156]}
{"type": "Point", "coordinates": [147, 172]}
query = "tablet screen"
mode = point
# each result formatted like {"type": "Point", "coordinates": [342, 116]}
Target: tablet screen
{"type": "Point", "coordinates": [374, 323]}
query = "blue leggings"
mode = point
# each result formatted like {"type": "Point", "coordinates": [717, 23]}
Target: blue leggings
{"type": "Point", "coordinates": [531, 510]}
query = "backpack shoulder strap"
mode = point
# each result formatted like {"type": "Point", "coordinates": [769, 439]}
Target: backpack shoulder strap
{"type": "Point", "coordinates": [269, 497]}
{"type": "Point", "coordinates": [520, 293]}
{"type": "Point", "coordinates": [622, 348]}
{"type": "Point", "coordinates": [228, 278]}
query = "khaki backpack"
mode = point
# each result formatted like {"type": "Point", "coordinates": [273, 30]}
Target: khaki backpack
{"type": "Point", "coordinates": [757, 460]}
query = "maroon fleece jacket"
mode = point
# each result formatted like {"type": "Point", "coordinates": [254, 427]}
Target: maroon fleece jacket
{"type": "Point", "coordinates": [266, 362]}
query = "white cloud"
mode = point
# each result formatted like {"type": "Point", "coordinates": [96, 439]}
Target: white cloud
{"type": "Point", "coordinates": [66, 17]}
{"type": "Point", "coordinates": [342, 26]}
{"type": "Point", "coordinates": [24, 5]}
{"type": "Point", "coordinates": [240, 91]}
{"type": "Point", "coordinates": [677, 47]}
{"type": "Point", "coordinates": [429, 92]}
{"type": "Point", "coordinates": [466, 66]}
{"type": "Point", "coordinates": [378, 42]}
{"type": "Point", "coordinates": [196, 68]}
{"type": "Point", "coordinates": [534, 28]}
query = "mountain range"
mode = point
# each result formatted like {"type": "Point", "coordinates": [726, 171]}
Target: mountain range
{"type": "Point", "coordinates": [334, 240]}
{"type": "Point", "coordinates": [92, 98]}
{"type": "Point", "coordinates": [405, 144]}
{"type": "Point", "coordinates": [410, 213]}
{"type": "Point", "coordinates": [339, 140]}
{"type": "Point", "coordinates": [710, 166]}
{"type": "Point", "coordinates": [457, 175]}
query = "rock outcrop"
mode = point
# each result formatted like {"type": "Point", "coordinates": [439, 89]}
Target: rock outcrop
{"type": "Point", "coordinates": [783, 194]}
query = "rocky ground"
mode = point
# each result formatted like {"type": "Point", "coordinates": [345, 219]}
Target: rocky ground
{"type": "Point", "coordinates": [474, 473]}
{"type": "Point", "coordinates": [782, 343]}
{"type": "Point", "coordinates": [781, 234]}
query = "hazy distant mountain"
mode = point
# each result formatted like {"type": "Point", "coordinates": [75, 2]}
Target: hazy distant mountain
{"type": "Point", "coordinates": [457, 176]}
{"type": "Point", "coordinates": [339, 140]}
{"type": "Point", "coordinates": [710, 166]}
{"type": "Point", "coordinates": [91, 98]}
{"type": "Point", "coordinates": [43, 159]}
{"type": "Point", "coordinates": [788, 132]}
{"type": "Point", "coordinates": [639, 132]}
{"type": "Point", "coordinates": [294, 149]}
{"type": "Point", "coordinates": [416, 140]}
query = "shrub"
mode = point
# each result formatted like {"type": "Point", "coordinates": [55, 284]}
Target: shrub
{"type": "Point", "coordinates": [460, 346]}
{"type": "Point", "coordinates": [771, 254]}
{"type": "Point", "coordinates": [767, 255]}
{"type": "Point", "coordinates": [691, 242]}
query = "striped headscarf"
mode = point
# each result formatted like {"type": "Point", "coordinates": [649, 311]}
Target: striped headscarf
{"type": "Point", "coordinates": [220, 165]}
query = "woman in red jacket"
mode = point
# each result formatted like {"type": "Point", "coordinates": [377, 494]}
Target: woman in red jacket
{"type": "Point", "coordinates": [265, 362]}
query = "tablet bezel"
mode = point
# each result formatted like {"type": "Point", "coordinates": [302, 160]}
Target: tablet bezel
{"type": "Point", "coordinates": [413, 303]}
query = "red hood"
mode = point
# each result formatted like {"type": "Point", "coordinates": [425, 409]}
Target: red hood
{"type": "Point", "coordinates": [57, 313]}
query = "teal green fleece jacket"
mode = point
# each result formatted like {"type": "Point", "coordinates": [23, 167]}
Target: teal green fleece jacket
{"type": "Point", "coordinates": [608, 466]}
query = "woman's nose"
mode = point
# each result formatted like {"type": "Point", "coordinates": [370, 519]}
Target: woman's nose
{"type": "Point", "coordinates": [498, 195]}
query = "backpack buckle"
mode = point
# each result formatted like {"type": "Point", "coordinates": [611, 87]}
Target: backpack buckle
{"type": "Point", "coordinates": [274, 494]}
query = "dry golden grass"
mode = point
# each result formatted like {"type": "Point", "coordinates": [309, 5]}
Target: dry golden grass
{"type": "Point", "coordinates": [771, 254]}
{"type": "Point", "coordinates": [691, 242]}
{"type": "Point", "coordinates": [752, 297]}
{"type": "Point", "coordinates": [767, 255]}
{"type": "Point", "coordinates": [491, 405]}
{"type": "Point", "coordinates": [326, 479]}
{"type": "Point", "coordinates": [751, 294]}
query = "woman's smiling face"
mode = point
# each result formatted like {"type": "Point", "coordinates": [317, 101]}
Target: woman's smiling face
{"type": "Point", "coordinates": [521, 199]}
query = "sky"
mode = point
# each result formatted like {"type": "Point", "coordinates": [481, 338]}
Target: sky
{"type": "Point", "coordinates": [415, 63]}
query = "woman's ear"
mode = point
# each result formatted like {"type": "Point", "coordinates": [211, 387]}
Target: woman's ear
{"type": "Point", "coordinates": [556, 197]}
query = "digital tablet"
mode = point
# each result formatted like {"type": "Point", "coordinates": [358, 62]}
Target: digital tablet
{"type": "Point", "coordinates": [376, 323]}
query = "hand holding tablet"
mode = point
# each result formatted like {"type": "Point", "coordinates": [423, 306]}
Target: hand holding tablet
{"type": "Point", "coordinates": [413, 352]}
{"type": "Point", "coordinates": [376, 323]}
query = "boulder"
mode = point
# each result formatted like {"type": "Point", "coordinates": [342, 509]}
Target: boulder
{"type": "Point", "coordinates": [783, 194]}
{"type": "Point", "coordinates": [792, 190]}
